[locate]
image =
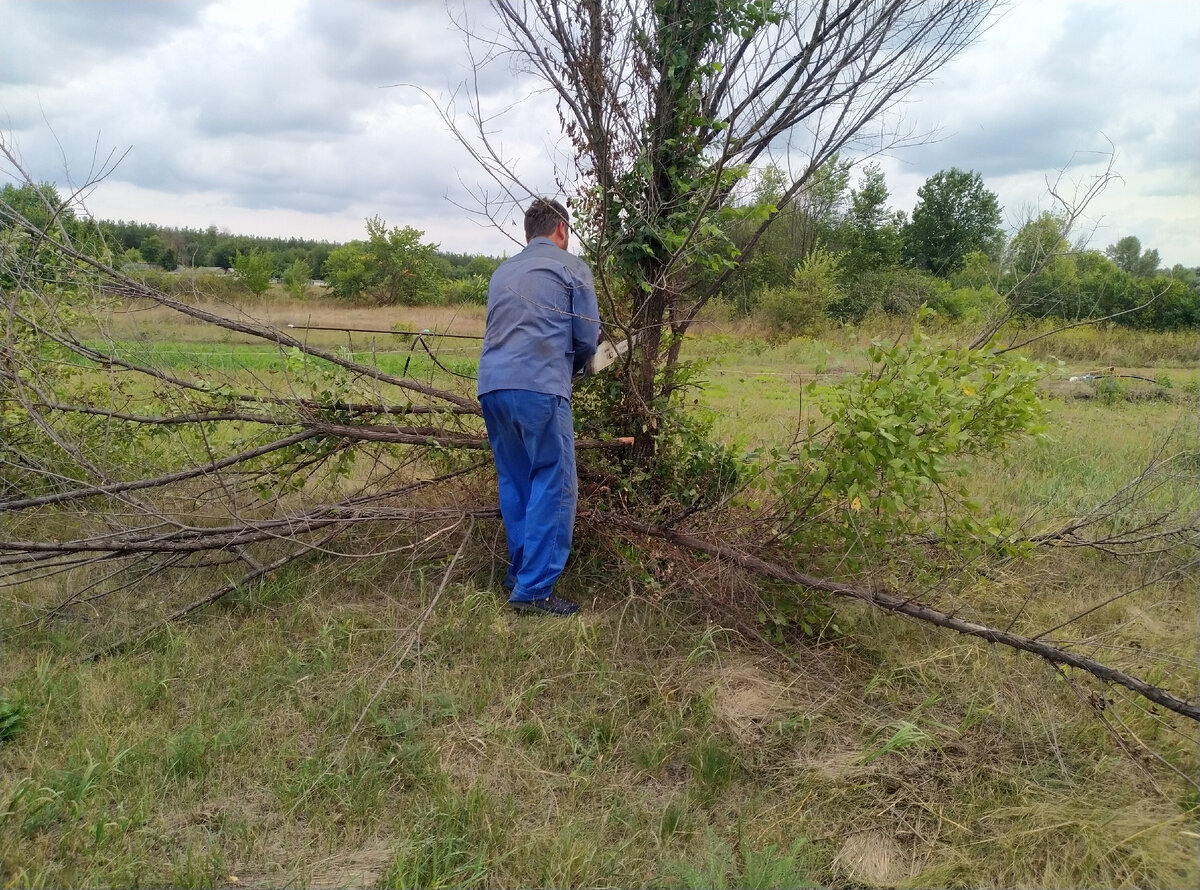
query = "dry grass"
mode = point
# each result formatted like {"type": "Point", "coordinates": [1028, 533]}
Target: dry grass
{"type": "Point", "coordinates": [146, 320]}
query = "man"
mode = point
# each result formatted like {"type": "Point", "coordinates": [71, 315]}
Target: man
{"type": "Point", "coordinates": [543, 324]}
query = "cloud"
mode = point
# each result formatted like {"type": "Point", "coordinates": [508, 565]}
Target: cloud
{"type": "Point", "coordinates": [1060, 85]}
{"type": "Point", "coordinates": [413, 42]}
{"type": "Point", "coordinates": [76, 35]}
{"type": "Point", "coordinates": [273, 113]}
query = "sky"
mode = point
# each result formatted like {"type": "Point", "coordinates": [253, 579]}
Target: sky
{"type": "Point", "coordinates": [283, 117]}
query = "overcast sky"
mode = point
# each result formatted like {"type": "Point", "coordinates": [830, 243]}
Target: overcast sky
{"type": "Point", "coordinates": [278, 118]}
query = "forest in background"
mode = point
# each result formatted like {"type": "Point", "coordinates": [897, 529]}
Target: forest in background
{"type": "Point", "coordinates": [835, 255]}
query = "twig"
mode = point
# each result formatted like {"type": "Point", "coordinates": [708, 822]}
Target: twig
{"type": "Point", "coordinates": [195, 606]}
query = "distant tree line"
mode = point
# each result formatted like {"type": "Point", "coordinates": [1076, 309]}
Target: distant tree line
{"type": "Point", "coordinates": [169, 248]}
{"type": "Point", "coordinates": [837, 254]}
{"type": "Point", "coordinates": [841, 252]}
{"type": "Point", "coordinates": [390, 266]}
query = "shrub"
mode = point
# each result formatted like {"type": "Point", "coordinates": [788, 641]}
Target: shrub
{"type": "Point", "coordinates": [12, 719]}
{"type": "Point", "coordinates": [190, 283]}
{"type": "Point", "coordinates": [296, 278]}
{"type": "Point", "coordinates": [891, 437]}
{"type": "Point", "coordinates": [901, 292]}
{"type": "Point", "coordinates": [800, 307]}
{"type": "Point", "coordinates": [471, 290]}
{"type": "Point", "coordinates": [255, 269]}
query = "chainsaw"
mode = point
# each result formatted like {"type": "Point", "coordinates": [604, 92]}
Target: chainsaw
{"type": "Point", "coordinates": [608, 352]}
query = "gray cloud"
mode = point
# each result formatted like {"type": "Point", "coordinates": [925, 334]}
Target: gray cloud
{"type": "Point", "coordinates": [406, 43]}
{"type": "Point", "coordinates": [75, 35]}
{"type": "Point", "coordinates": [275, 113]}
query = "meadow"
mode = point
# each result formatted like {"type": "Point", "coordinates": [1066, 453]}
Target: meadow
{"type": "Point", "coordinates": [386, 722]}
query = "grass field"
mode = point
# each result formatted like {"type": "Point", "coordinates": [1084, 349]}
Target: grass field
{"type": "Point", "coordinates": [304, 733]}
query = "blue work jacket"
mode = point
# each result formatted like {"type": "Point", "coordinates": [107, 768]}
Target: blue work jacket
{"type": "Point", "coordinates": [543, 321]}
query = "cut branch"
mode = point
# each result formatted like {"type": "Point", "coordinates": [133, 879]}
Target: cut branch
{"type": "Point", "coordinates": [899, 605]}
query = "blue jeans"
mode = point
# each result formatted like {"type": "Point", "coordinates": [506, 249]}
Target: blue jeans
{"type": "Point", "coordinates": [533, 443]}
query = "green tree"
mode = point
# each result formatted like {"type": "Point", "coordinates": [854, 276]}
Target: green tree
{"type": "Point", "coordinates": [1040, 272]}
{"type": "Point", "coordinates": [255, 269]}
{"type": "Point", "coordinates": [777, 250]}
{"type": "Point", "coordinates": [406, 271]}
{"type": "Point", "coordinates": [1173, 305]}
{"type": "Point", "coordinates": [349, 270]}
{"type": "Point", "coordinates": [392, 266]}
{"type": "Point", "coordinates": [871, 229]}
{"type": "Point", "coordinates": [40, 204]}
{"type": "Point", "coordinates": [1127, 253]}
{"type": "Point", "coordinates": [1103, 288]}
{"type": "Point", "coordinates": [157, 252]}
{"type": "Point", "coordinates": [954, 215]}
{"type": "Point", "coordinates": [55, 220]}
{"type": "Point", "coordinates": [296, 277]}
{"type": "Point", "coordinates": [481, 265]}
{"type": "Point", "coordinates": [1038, 242]}
{"type": "Point", "coordinates": [810, 222]}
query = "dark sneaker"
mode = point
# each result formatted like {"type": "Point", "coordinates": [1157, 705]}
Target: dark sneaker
{"type": "Point", "coordinates": [551, 605]}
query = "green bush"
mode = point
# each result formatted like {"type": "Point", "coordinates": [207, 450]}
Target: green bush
{"type": "Point", "coordinates": [188, 283]}
{"type": "Point", "coordinates": [255, 268]}
{"type": "Point", "coordinates": [886, 455]}
{"type": "Point", "coordinates": [800, 307]}
{"type": "Point", "coordinates": [965, 303]}
{"type": "Point", "coordinates": [296, 278]}
{"type": "Point", "coordinates": [392, 267]}
{"type": "Point", "coordinates": [12, 719]}
{"type": "Point", "coordinates": [471, 290]}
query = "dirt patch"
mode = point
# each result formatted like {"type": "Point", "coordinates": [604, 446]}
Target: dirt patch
{"type": "Point", "coordinates": [875, 859]}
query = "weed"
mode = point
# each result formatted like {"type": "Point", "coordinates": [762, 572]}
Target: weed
{"type": "Point", "coordinates": [674, 820]}
{"type": "Point", "coordinates": [653, 754]}
{"type": "Point", "coordinates": [897, 736]}
{"type": "Point", "coordinates": [713, 767]}
{"type": "Point", "coordinates": [12, 718]}
{"type": "Point", "coordinates": [770, 868]}
{"type": "Point", "coordinates": [1109, 390]}
{"type": "Point", "coordinates": [710, 867]}
{"type": "Point", "coordinates": [530, 733]}
{"type": "Point", "coordinates": [187, 754]}
{"type": "Point", "coordinates": [451, 848]}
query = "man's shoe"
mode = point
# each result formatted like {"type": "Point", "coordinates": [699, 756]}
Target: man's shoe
{"type": "Point", "coordinates": [551, 605]}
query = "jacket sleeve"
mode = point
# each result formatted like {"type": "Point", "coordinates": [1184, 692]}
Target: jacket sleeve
{"type": "Point", "coordinates": [585, 318]}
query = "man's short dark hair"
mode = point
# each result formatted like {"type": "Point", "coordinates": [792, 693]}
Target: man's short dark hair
{"type": "Point", "coordinates": [543, 217]}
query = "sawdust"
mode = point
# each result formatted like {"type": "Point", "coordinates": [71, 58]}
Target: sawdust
{"type": "Point", "coordinates": [874, 859]}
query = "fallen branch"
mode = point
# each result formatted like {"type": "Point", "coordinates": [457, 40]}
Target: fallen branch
{"type": "Point", "coordinates": [195, 606]}
{"type": "Point", "coordinates": [900, 605]}
{"type": "Point", "coordinates": [159, 481]}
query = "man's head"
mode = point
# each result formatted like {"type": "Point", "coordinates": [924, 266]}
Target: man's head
{"type": "Point", "coordinates": [547, 218]}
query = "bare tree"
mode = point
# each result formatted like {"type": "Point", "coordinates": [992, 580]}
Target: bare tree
{"type": "Point", "coordinates": [668, 105]}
